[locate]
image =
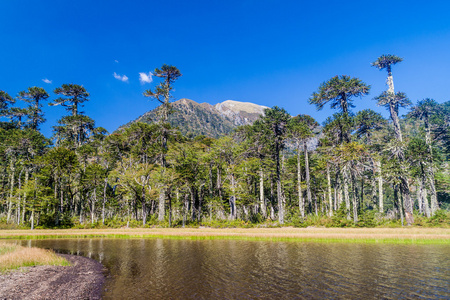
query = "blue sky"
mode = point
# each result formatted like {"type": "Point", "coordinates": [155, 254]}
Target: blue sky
{"type": "Point", "coordinates": [265, 52]}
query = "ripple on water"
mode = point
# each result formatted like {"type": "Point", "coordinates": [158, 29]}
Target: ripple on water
{"type": "Point", "coordinates": [232, 269]}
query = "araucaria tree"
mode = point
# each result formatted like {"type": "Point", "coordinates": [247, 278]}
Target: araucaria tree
{"type": "Point", "coordinates": [162, 94]}
{"type": "Point", "coordinates": [276, 120]}
{"type": "Point", "coordinates": [301, 129]}
{"type": "Point", "coordinates": [74, 128]}
{"type": "Point", "coordinates": [426, 110]}
{"type": "Point", "coordinates": [340, 91]}
{"type": "Point", "coordinates": [354, 170]}
{"type": "Point", "coordinates": [393, 101]}
{"type": "Point", "coordinates": [386, 61]}
{"type": "Point", "coordinates": [34, 96]}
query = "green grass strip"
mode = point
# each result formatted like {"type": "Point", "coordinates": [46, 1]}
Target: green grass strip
{"type": "Point", "coordinates": [408, 241]}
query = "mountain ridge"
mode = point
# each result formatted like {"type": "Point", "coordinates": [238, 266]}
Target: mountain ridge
{"type": "Point", "coordinates": [193, 118]}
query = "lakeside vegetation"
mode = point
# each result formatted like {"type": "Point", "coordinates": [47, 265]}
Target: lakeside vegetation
{"type": "Point", "coordinates": [14, 256]}
{"type": "Point", "coordinates": [405, 235]}
{"type": "Point", "coordinates": [356, 170]}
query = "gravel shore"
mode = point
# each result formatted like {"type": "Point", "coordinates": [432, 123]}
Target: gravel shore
{"type": "Point", "coordinates": [84, 279]}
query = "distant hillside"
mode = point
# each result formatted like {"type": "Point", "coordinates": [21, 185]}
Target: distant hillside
{"type": "Point", "coordinates": [195, 119]}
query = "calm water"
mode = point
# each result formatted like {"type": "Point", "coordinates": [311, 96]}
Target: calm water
{"type": "Point", "coordinates": [226, 269]}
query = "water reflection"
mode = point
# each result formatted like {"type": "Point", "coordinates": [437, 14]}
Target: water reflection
{"type": "Point", "coordinates": [227, 269]}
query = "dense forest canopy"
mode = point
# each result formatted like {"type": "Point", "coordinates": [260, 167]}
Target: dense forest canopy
{"type": "Point", "coordinates": [363, 170]}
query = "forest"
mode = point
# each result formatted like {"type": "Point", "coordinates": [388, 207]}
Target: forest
{"type": "Point", "coordinates": [355, 169]}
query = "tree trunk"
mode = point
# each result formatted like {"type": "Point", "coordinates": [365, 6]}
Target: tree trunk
{"type": "Point", "coordinates": [104, 200]}
{"type": "Point", "coordinates": [380, 187]}
{"type": "Point", "coordinates": [424, 197]}
{"type": "Point", "coordinates": [396, 122]}
{"type": "Point", "coordinates": [219, 184]}
{"type": "Point", "coordinates": [161, 204]}
{"type": "Point", "coordinates": [301, 202]}
{"type": "Point", "coordinates": [279, 195]}
{"type": "Point", "coordinates": [407, 201]}
{"type": "Point", "coordinates": [419, 196]}
{"type": "Point", "coordinates": [430, 171]}
{"type": "Point", "coordinates": [94, 199]}
{"type": "Point", "coordinates": [144, 206]}
{"type": "Point", "coordinates": [233, 198]}
{"type": "Point", "coordinates": [308, 181]}
{"type": "Point", "coordinates": [27, 174]}
{"type": "Point", "coordinates": [11, 192]}
{"type": "Point", "coordinates": [330, 198]}
{"type": "Point", "coordinates": [434, 202]}
{"type": "Point", "coordinates": [355, 199]}
{"type": "Point", "coordinates": [346, 195]}
{"type": "Point", "coordinates": [19, 196]}
{"type": "Point", "coordinates": [32, 219]}
{"type": "Point", "coordinates": [262, 200]}
{"type": "Point", "coordinates": [390, 80]}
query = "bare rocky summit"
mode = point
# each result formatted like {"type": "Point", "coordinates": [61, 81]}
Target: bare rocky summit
{"type": "Point", "coordinates": [242, 113]}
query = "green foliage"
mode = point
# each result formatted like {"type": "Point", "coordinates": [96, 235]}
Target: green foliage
{"type": "Point", "coordinates": [368, 218]}
{"type": "Point", "coordinates": [386, 60]}
{"type": "Point", "coordinates": [249, 178]}
{"type": "Point", "coordinates": [340, 91]}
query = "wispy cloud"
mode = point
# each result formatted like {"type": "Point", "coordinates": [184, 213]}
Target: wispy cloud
{"type": "Point", "coordinates": [116, 61]}
{"type": "Point", "coordinates": [145, 78]}
{"type": "Point", "coordinates": [123, 78]}
{"type": "Point", "coordinates": [46, 80]}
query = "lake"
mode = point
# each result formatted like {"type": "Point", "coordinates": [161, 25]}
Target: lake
{"type": "Point", "coordinates": [236, 269]}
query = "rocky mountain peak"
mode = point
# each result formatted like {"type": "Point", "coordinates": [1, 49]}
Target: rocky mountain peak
{"type": "Point", "coordinates": [194, 118]}
{"type": "Point", "coordinates": [241, 113]}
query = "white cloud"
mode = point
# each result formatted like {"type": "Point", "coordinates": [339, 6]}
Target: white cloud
{"type": "Point", "coordinates": [46, 80]}
{"type": "Point", "coordinates": [123, 78]}
{"type": "Point", "coordinates": [116, 61]}
{"type": "Point", "coordinates": [145, 78]}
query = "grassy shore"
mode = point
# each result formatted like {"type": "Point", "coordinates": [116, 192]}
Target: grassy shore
{"type": "Point", "coordinates": [358, 235]}
{"type": "Point", "coordinates": [13, 256]}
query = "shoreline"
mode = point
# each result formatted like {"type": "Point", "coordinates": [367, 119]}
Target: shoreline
{"type": "Point", "coordinates": [366, 235]}
{"type": "Point", "coordinates": [84, 279]}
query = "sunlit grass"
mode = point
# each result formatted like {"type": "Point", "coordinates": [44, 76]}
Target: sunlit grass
{"type": "Point", "coordinates": [15, 256]}
{"type": "Point", "coordinates": [412, 235]}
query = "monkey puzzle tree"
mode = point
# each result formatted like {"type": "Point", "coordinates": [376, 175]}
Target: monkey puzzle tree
{"type": "Point", "coordinates": [393, 101]}
{"type": "Point", "coordinates": [301, 129]}
{"type": "Point", "coordinates": [73, 128]}
{"type": "Point", "coordinates": [34, 96]}
{"type": "Point", "coordinates": [425, 110]}
{"type": "Point", "coordinates": [367, 123]}
{"type": "Point", "coordinates": [162, 94]}
{"type": "Point", "coordinates": [5, 101]}
{"type": "Point", "coordinates": [340, 91]}
{"type": "Point", "coordinates": [258, 144]}
{"type": "Point", "coordinates": [276, 120]}
{"type": "Point", "coordinates": [386, 61]}
{"type": "Point", "coordinates": [73, 97]}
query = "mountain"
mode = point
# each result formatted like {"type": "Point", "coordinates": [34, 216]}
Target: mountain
{"type": "Point", "coordinates": [195, 119]}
